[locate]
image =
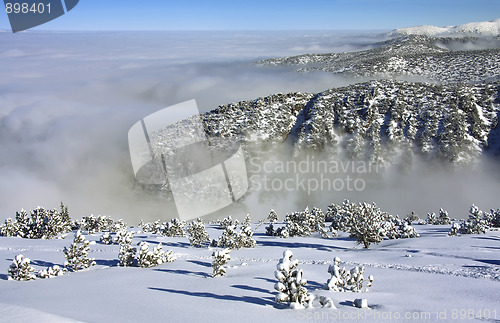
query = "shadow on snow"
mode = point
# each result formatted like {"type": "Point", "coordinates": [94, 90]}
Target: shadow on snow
{"type": "Point", "coordinates": [246, 299]}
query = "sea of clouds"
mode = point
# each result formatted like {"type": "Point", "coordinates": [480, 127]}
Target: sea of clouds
{"type": "Point", "coordinates": [67, 101]}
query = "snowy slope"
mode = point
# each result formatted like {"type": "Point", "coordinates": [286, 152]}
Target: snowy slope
{"type": "Point", "coordinates": [409, 57]}
{"type": "Point", "coordinates": [434, 275]}
{"type": "Point", "coordinates": [486, 28]}
{"type": "Point", "coordinates": [443, 122]}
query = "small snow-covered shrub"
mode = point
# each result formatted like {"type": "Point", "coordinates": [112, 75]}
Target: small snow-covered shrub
{"type": "Point", "coordinates": [226, 222]}
{"type": "Point", "coordinates": [442, 219]}
{"type": "Point", "coordinates": [413, 217]}
{"type": "Point", "coordinates": [406, 231]}
{"type": "Point", "coordinates": [272, 217]}
{"type": "Point", "coordinates": [291, 285]}
{"type": "Point", "coordinates": [283, 233]}
{"type": "Point", "coordinates": [227, 238]}
{"type": "Point", "coordinates": [197, 234]}
{"type": "Point", "coordinates": [340, 215]}
{"type": "Point", "coordinates": [155, 227]}
{"type": "Point", "coordinates": [395, 228]}
{"type": "Point", "coordinates": [127, 253]}
{"type": "Point", "coordinates": [9, 228]}
{"type": "Point", "coordinates": [21, 269]}
{"type": "Point", "coordinates": [495, 219]}
{"type": "Point", "coordinates": [304, 223]}
{"type": "Point", "coordinates": [221, 258]}
{"type": "Point", "coordinates": [118, 226]}
{"type": "Point", "coordinates": [93, 224]}
{"type": "Point", "coordinates": [343, 280]}
{"type": "Point", "coordinates": [77, 255]}
{"type": "Point", "coordinates": [150, 258]}
{"type": "Point", "coordinates": [232, 239]}
{"type": "Point", "coordinates": [300, 223]}
{"type": "Point", "coordinates": [247, 221]}
{"type": "Point", "coordinates": [106, 238]}
{"type": "Point", "coordinates": [174, 228]}
{"type": "Point", "coordinates": [367, 223]}
{"type": "Point", "coordinates": [50, 272]}
{"type": "Point", "coordinates": [455, 229]}
{"type": "Point", "coordinates": [270, 230]}
{"type": "Point", "coordinates": [39, 223]}
{"type": "Point", "coordinates": [245, 239]}
{"type": "Point", "coordinates": [475, 224]}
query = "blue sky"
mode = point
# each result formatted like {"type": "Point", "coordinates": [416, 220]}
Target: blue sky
{"type": "Point", "coordinates": [268, 14]}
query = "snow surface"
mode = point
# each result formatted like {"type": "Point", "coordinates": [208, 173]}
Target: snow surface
{"type": "Point", "coordinates": [431, 277]}
{"type": "Point", "coordinates": [485, 28]}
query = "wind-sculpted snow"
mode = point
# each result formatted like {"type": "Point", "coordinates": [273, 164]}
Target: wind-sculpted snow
{"type": "Point", "coordinates": [412, 56]}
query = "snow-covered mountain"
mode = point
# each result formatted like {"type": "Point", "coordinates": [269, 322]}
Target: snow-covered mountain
{"type": "Point", "coordinates": [412, 57]}
{"type": "Point", "coordinates": [381, 121]}
{"type": "Point", "coordinates": [486, 28]}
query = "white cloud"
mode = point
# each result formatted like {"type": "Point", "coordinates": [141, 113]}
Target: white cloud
{"type": "Point", "coordinates": [68, 100]}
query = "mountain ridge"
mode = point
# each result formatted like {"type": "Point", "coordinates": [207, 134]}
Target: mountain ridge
{"type": "Point", "coordinates": [484, 28]}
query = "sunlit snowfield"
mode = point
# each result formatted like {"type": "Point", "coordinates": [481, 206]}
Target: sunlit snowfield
{"type": "Point", "coordinates": [434, 278]}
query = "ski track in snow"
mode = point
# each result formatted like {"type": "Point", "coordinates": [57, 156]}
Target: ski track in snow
{"type": "Point", "coordinates": [483, 272]}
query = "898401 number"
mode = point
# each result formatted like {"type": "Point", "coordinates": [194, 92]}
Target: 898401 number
{"type": "Point", "coordinates": [25, 8]}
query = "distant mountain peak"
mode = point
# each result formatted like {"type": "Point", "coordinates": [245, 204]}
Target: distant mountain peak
{"type": "Point", "coordinates": [484, 29]}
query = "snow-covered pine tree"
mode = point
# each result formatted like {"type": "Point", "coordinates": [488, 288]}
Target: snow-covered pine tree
{"type": "Point", "coordinates": [92, 224]}
{"type": "Point", "coordinates": [247, 221]}
{"type": "Point", "coordinates": [320, 226]}
{"type": "Point", "coordinates": [356, 279]}
{"type": "Point", "coordinates": [21, 269]}
{"type": "Point", "coordinates": [127, 252]}
{"type": "Point", "coordinates": [77, 255]}
{"type": "Point", "coordinates": [475, 224]}
{"type": "Point", "coordinates": [338, 280]}
{"type": "Point", "coordinates": [404, 230]}
{"type": "Point", "coordinates": [197, 234]}
{"type": "Point", "coordinates": [106, 238]}
{"type": "Point", "coordinates": [50, 272]}
{"type": "Point", "coordinates": [444, 218]}
{"type": "Point", "coordinates": [245, 239]}
{"type": "Point", "coordinates": [224, 223]}
{"type": "Point", "coordinates": [227, 239]}
{"type": "Point", "coordinates": [432, 219]}
{"type": "Point", "coordinates": [38, 223]}
{"type": "Point", "coordinates": [300, 224]}
{"type": "Point", "coordinates": [9, 228]}
{"type": "Point", "coordinates": [174, 228]}
{"type": "Point", "coordinates": [283, 233]}
{"type": "Point", "coordinates": [495, 218]}
{"type": "Point", "coordinates": [270, 230]}
{"type": "Point", "coordinates": [221, 258]}
{"type": "Point", "coordinates": [341, 215]}
{"type": "Point", "coordinates": [157, 256]}
{"type": "Point", "coordinates": [366, 224]}
{"type": "Point", "coordinates": [272, 217]}
{"type": "Point", "coordinates": [342, 280]}
{"type": "Point", "coordinates": [290, 285]}
{"type": "Point", "coordinates": [119, 225]}
{"type": "Point", "coordinates": [413, 217]}
{"type": "Point", "coordinates": [441, 219]}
